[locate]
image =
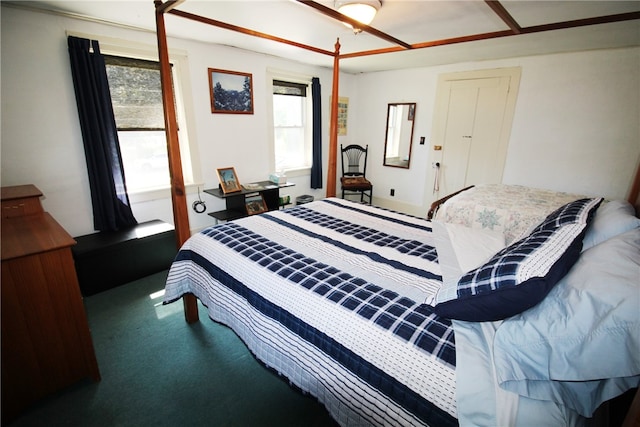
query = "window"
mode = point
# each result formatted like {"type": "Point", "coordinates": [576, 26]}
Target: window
{"type": "Point", "coordinates": [136, 95]}
{"type": "Point", "coordinates": [292, 125]}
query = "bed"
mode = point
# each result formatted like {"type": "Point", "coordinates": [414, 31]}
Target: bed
{"type": "Point", "coordinates": [387, 319]}
{"type": "Point", "coordinates": [360, 307]}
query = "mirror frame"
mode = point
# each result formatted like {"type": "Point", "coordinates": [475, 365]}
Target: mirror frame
{"type": "Point", "coordinates": [411, 114]}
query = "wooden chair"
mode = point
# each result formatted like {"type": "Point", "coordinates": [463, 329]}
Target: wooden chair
{"type": "Point", "coordinates": [353, 178]}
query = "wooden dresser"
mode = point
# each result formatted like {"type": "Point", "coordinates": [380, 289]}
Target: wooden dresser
{"type": "Point", "coordinates": [46, 343]}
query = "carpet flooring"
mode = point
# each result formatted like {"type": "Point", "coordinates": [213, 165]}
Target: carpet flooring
{"type": "Point", "coordinates": [157, 370]}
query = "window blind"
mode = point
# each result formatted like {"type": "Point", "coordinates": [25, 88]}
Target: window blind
{"type": "Point", "coordinates": [281, 87]}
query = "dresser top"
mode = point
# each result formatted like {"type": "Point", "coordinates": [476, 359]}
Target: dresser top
{"type": "Point", "coordinates": [19, 192]}
{"type": "Point", "coordinates": [32, 234]}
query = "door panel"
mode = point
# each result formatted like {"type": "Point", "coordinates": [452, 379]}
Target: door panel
{"type": "Point", "coordinates": [457, 138]}
{"type": "Point", "coordinates": [486, 159]}
{"type": "Point", "coordinates": [472, 123]}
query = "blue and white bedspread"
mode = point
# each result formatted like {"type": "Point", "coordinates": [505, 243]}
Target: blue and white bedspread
{"type": "Point", "coordinates": [338, 297]}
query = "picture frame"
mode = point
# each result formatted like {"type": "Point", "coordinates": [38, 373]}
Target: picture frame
{"type": "Point", "coordinates": [343, 111]}
{"type": "Point", "coordinates": [255, 204]}
{"type": "Point", "coordinates": [229, 182]}
{"type": "Point", "coordinates": [231, 92]}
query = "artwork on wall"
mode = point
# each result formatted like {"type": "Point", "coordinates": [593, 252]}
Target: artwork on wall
{"type": "Point", "coordinates": [231, 92]}
{"type": "Point", "coordinates": [228, 180]}
{"type": "Point", "coordinates": [343, 107]}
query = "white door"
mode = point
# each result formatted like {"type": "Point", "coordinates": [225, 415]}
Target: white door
{"type": "Point", "coordinates": [471, 129]}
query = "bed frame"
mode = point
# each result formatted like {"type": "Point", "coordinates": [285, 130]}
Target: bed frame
{"type": "Point", "coordinates": [436, 205]}
{"type": "Point", "coordinates": [178, 193]}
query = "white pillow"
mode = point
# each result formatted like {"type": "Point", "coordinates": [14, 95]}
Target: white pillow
{"type": "Point", "coordinates": [611, 219]}
{"type": "Point", "coordinates": [579, 346]}
{"type": "Point", "coordinates": [462, 249]}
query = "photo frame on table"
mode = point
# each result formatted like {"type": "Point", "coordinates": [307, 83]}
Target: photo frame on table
{"type": "Point", "coordinates": [231, 92]}
{"type": "Point", "coordinates": [229, 182]}
{"type": "Point", "coordinates": [255, 204]}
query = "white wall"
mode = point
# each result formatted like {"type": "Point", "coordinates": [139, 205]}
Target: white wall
{"type": "Point", "coordinates": [576, 125]}
{"type": "Point", "coordinates": [41, 139]}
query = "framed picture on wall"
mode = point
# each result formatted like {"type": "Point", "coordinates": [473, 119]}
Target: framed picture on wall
{"type": "Point", "coordinates": [255, 204]}
{"type": "Point", "coordinates": [343, 111]}
{"type": "Point", "coordinates": [228, 180]}
{"type": "Point", "coordinates": [231, 92]}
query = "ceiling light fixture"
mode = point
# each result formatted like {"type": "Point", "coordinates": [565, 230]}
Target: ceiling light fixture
{"type": "Point", "coordinates": [361, 10]}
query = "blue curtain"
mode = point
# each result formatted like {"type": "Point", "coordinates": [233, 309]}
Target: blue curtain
{"type": "Point", "coordinates": [111, 207]}
{"type": "Point", "coordinates": [316, 165]}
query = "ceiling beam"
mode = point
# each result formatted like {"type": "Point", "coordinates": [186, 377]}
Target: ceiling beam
{"type": "Point", "coordinates": [246, 31]}
{"type": "Point", "coordinates": [423, 45]}
{"type": "Point", "coordinates": [499, 9]}
{"type": "Point", "coordinates": [507, 33]}
{"type": "Point", "coordinates": [332, 13]}
{"type": "Point", "coordinates": [582, 22]}
{"type": "Point", "coordinates": [168, 5]}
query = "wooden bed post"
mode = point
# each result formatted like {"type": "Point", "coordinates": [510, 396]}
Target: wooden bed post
{"type": "Point", "coordinates": [178, 193]}
{"type": "Point", "coordinates": [333, 127]}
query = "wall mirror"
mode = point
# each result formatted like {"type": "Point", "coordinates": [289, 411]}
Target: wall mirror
{"type": "Point", "coordinates": [397, 142]}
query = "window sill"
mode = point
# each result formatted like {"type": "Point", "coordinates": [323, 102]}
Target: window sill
{"type": "Point", "coordinates": [160, 193]}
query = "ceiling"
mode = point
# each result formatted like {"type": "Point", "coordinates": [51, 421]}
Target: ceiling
{"type": "Point", "coordinates": [413, 22]}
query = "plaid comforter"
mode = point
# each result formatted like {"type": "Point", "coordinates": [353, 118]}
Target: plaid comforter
{"type": "Point", "coordinates": [338, 297]}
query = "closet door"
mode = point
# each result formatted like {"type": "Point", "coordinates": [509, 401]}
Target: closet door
{"type": "Point", "coordinates": [471, 129]}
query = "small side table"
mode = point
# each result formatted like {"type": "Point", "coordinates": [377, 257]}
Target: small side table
{"type": "Point", "coordinates": [235, 202]}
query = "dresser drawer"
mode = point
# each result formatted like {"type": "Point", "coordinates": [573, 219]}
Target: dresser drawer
{"type": "Point", "coordinates": [20, 200]}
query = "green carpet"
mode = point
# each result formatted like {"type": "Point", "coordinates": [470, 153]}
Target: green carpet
{"type": "Point", "coordinates": [159, 371]}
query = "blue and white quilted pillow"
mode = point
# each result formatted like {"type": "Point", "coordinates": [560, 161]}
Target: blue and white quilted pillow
{"type": "Point", "coordinates": [520, 276]}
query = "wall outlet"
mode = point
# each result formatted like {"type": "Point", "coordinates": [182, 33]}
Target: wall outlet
{"type": "Point", "coordinates": [392, 192]}
{"type": "Point", "coordinates": [422, 140]}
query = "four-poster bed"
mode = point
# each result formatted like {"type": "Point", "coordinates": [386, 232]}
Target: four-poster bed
{"type": "Point", "coordinates": [178, 192]}
{"type": "Point", "coordinates": [346, 311]}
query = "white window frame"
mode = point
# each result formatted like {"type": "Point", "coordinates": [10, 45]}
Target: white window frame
{"type": "Point", "coordinates": [308, 139]}
{"type": "Point", "coordinates": [188, 147]}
